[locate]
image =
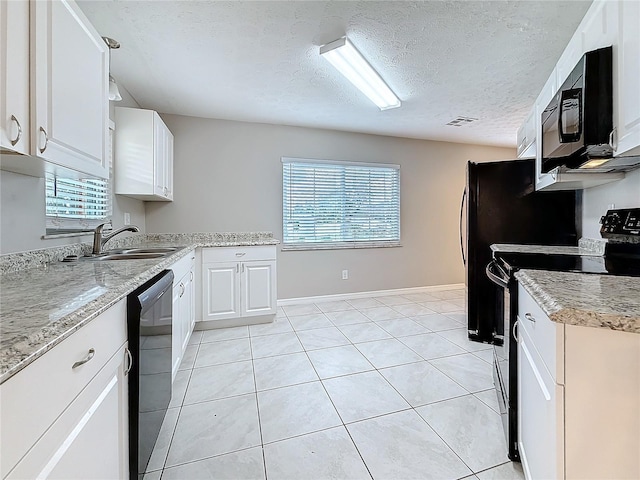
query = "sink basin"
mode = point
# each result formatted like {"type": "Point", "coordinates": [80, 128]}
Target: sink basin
{"type": "Point", "coordinates": [126, 256]}
{"type": "Point", "coordinates": [163, 250]}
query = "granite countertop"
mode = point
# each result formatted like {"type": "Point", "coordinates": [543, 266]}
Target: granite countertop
{"type": "Point", "coordinates": [585, 299]}
{"type": "Point", "coordinates": [43, 300]}
{"type": "Point", "coordinates": [586, 247]}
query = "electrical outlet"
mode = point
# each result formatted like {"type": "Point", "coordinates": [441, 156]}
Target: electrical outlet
{"type": "Point", "coordinates": [127, 218]}
{"type": "Point", "coordinates": [345, 274]}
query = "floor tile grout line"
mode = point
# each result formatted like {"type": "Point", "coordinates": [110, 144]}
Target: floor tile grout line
{"type": "Point", "coordinates": [339, 416]}
{"type": "Point", "coordinates": [255, 387]}
{"type": "Point", "coordinates": [211, 456]}
{"type": "Point", "coordinates": [175, 427]}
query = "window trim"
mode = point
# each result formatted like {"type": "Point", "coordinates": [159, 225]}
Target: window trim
{"type": "Point", "coordinates": [299, 246]}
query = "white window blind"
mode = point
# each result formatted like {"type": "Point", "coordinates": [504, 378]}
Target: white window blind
{"type": "Point", "coordinates": [340, 204]}
{"type": "Point", "coordinates": [77, 205]}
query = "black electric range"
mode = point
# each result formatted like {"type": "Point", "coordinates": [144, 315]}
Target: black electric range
{"type": "Point", "coordinates": [621, 257]}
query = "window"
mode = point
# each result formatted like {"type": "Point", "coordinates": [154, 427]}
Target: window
{"type": "Point", "coordinates": [330, 204]}
{"type": "Point", "coordinates": [77, 204]}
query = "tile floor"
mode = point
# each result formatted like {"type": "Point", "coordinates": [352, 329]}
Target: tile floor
{"type": "Point", "coordinates": [382, 387]}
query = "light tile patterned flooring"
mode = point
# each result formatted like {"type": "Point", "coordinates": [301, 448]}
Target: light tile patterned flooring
{"type": "Point", "coordinates": [382, 387]}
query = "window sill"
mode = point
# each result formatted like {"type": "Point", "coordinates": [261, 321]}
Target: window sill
{"type": "Point", "coordinates": [338, 246]}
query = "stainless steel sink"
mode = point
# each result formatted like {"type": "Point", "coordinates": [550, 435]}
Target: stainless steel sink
{"type": "Point", "coordinates": [163, 250]}
{"type": "Point", "coordinates": [126, 256]}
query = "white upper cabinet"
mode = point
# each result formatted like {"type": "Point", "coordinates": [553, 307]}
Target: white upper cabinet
{"type": "Point", "coordinates": [70, 84]}
{"type": "Point", "coordinates": [14, 76]}
{"type": "Point", "coordinates": [143, 156]}
{"type": "Point", "coordinates": [527, 136]}
{"type": "Point", "coordinates": [626, 88]}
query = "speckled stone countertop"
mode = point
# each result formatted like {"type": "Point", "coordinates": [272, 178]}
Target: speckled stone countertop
{"type": "Point", "coordinates": [43, 301]}
{"type": "Point", "coordinates": [603, 301]}
{"type": "Point", "coordinates": [587, 246]}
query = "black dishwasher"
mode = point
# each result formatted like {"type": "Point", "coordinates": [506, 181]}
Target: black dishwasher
{"type": "Point", "coordinates": [149, 318]}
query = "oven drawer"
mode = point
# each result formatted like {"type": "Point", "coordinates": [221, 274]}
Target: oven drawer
{"type": "Point", "coordinates": [547, 337]}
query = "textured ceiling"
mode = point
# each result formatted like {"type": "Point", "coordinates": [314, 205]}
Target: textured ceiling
{"type": "Point", "coordinates": [258, 61]}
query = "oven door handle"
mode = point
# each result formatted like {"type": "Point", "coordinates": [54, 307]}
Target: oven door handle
{"type": "Point", "coordinates": [496, 278]}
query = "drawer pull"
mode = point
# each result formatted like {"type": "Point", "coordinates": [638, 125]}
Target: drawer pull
{"type": "Point", "coordinates": [530, 317]}
{"type": "Point", "coordinates": [241, 254]}
{"type": "Point", "coordinates": [515, 334]}
{"type": "Point", "coordinates": [90, 355]}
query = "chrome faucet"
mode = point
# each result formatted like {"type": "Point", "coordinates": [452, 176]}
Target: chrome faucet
{"type": "Point", "coordinates": [99, 239]}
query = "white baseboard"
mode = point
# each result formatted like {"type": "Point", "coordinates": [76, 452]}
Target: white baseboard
{"type": "Point", "coordinates": [375, 293]}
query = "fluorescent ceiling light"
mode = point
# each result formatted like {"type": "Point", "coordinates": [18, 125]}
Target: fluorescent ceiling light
{"type": "Point", "coordinates": [350, 63]}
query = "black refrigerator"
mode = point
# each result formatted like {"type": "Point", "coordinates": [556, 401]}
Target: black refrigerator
{"type": "Point", "coordinates": [500, 205]}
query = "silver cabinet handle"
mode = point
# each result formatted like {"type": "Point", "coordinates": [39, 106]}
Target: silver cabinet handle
{"type": "Point", "coordinates": [530, 317]}
{"type": "Point", "coordinates": [241, 254]}
{"type": "Point", "coordinates": [19, 135]}
{"type": "Point", "coordinates": [243, 268]}
{"type": "Point", "coordinates": [183, 289]}
{"type": "Point", "coordinates": [515, 335]}
{"type": "Point", "coordinates": [46, 140]}
{"type": "Point", "coordinates": [89, 356]}
{"type": "Point", "coordinates": [613, 140]}
{"type": "Point", "coordinates": [191, 276]}
{"type": "Point", "coordinates": [237, 268]}
{"type": "Point", "coordinates": [129, 361]}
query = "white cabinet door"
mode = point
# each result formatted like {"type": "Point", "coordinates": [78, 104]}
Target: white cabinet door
{"type": "Point", "coordinates": [176, 329]}
{"type": "Point", "coordinates": [90, 439]}
{"type": "Point", "coordinates": [221, 290]}
{"type": "Point", "coordinates": [160, 154]}
{"type": "Point", "coordinates": [540, 415]}
{"type": "Point", "coordinates": [168, 165]}
{"type": "Point", "coordinates": [627, 81]}
{"type": "Point", "coordinates": [258, 288]}
{"type": "Point", "coordinates": [186, 309]}
{"type": "Point", "coordinates": [14, 76]}
{"type": "Point", "coordinates": [70, 78]}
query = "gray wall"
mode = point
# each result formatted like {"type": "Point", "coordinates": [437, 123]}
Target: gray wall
{"type": "Point", "coordinates": [22, 208]}
{"type": "Point", "coordinates": [228, 177]}
{"type": "Point", "coordinates": [596, 201]}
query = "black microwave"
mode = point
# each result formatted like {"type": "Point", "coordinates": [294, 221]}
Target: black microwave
{"type": "Point", "coordinates": [577, 123]}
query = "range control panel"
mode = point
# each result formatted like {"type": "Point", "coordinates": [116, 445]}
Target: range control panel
{"type": "Point", "coordinates": [621, 222]}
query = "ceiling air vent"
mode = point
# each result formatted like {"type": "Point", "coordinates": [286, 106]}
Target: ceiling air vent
{"type": "Point", "coordinates": [461, 121]}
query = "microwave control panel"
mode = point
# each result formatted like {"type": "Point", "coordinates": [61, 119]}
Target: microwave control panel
{"type": "Point", "coordinates": [624, 222]}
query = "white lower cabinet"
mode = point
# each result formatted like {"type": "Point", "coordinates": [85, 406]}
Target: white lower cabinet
{"type": "Point", "coordinates": [238, 289]}
{"type": "Point", "coordinates": [65, 416]}
{"type": "Point", "coordinates": [183, 308]}
{"type": "Point", "coordinates": [578, 398]}
{"type": "Point", "coordinates": [540, 414]}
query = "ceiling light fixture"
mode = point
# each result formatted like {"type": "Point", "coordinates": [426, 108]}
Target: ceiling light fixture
{"type": "Point", "coordinates": [349, 62]}
{"type": "Point", "coordinates": [114, 93]}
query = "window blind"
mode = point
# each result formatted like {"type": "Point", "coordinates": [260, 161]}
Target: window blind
{"type": "Point", "coordinates": [77, 205]}
{"type": "Point", "coordinates": [330, 203]}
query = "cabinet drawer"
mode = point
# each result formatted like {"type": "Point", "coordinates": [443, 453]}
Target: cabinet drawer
{"type": "Point", "coordinates": [183, 266]}
{"type": "Point", "coordinates": [238, 254]}
{"type": "Point", "coordinates": [33, 398]}
{"type": "Point", "coordinates": [547, 337]}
